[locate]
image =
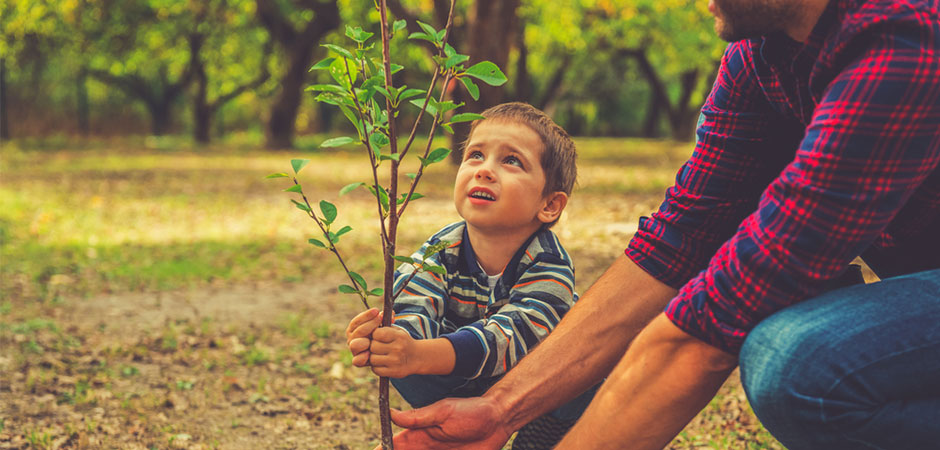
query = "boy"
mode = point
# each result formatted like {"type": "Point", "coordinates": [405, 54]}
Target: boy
{"type": "Point", "coordinates": [508, 280]}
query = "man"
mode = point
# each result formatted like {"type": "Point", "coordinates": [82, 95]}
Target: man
{"type": "Point", "coordinates": [819, 142]}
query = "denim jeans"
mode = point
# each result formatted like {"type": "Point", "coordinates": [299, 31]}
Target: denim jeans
{"type": "Point", "coordinates": [422, 390]}
{"type": "Point", "coordinates": [854, 368]}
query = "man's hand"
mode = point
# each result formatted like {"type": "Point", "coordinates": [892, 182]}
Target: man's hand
{"type": "Point", "coordinates": [466, 423]}
{"type": "Point", "coordinates": [359, 335]}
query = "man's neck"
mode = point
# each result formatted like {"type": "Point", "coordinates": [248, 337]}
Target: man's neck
{"type": "Point", "coordinates": [493, 250]}
{"type": "Point", "coordinates": [810, 12]}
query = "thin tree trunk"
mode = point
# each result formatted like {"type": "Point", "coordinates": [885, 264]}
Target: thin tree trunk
{"type": "Point", "coordinates": [81, 100]}
{"type": "Point", "coordinates": [4, 123]}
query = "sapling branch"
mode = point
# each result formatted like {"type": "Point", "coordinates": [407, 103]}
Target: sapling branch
{"type": "Point", "coordinates": [427, 151]}
{"type": "Point", "coordinates": [332, 248]}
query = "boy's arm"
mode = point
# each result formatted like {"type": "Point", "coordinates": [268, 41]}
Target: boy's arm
{"type": "Point", "coordinates": [539, 299]}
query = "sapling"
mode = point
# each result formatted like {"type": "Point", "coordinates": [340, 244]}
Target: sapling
{"type": "Point", "coordinates": [362, 82]}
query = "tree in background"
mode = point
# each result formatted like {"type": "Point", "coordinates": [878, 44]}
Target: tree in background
{"type": "Point", "coordinates": [297, 27]}
{"type": "Point", "coordinates": [229, 54]}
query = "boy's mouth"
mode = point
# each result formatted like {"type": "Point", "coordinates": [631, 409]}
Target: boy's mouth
{"type": "Point", "coordinates": [482, 194]}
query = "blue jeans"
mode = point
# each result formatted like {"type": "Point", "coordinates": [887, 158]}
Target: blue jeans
{"type": "Point", "coordinates": [422, 390]}
{"type": "Point", "coordinates": [854, 368]}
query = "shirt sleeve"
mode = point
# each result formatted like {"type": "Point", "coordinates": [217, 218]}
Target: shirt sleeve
{"type": "Point", "coordinates": [537, 302]}
{"type": "Point", "coordinates": [740, 140]}
{"type": "Point", "coordinates": [872, 141]}
{"type": "Point", "coordinates": [419, 309]}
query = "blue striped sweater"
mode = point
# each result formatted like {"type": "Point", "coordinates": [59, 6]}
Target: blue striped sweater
{"type": "Point", "coordinates": [490, 330]}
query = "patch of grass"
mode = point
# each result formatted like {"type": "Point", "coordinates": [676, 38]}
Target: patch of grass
{"type": "Point", "coordinates": [254, 356]}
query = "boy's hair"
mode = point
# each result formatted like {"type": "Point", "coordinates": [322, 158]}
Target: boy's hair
{"type": "Point", "coordinates": [558, 154]}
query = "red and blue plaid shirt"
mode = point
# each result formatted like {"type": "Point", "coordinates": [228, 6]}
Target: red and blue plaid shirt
{"type": "Point", "coordinates": [808, 155]}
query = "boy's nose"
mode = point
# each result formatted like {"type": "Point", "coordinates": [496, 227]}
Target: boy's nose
{"type": "Point", "coordinates": [485, 173]}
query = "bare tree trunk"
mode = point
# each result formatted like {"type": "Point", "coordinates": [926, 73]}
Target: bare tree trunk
{"type": "Point", "coordinates": [4, 122]}
{"type": "Point", "coordinates": [81, 102]}
{"type": "Point", "coordinates": [299, 46]}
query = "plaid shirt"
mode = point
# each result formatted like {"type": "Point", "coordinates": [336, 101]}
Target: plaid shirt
{"type": "Point", "coordinates": [491, 330]}
{"type": "Point", "coordinates": [808, 155]}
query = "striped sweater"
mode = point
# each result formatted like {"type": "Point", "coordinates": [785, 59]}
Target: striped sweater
{"type": "Point", "coordinates": [490, 330]}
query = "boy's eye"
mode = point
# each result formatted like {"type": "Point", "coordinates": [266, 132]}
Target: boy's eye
{"type": "Point", "coordinates": [475, 155]}
{"type": "Point", "coordinates": [513, 161]}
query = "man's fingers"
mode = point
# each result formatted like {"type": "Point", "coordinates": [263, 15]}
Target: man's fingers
{"type": "Point", "coordinates": [422, 417]}
{"type": "Point", "coordinates": [360, 319]}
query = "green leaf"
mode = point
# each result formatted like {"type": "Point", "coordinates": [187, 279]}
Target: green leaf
{"type": "Point", "coordinates": [278, 175]}
{"type": "Point", "coordinates": [377, 291]}
{"type": "Point", "coordinates": [434, 249]}
{"type": "Point", "coordinates": [428, 29]}
{"type": "Point", "coordinates": [336, 142]}
{"type": "Point", "coordinates": [410, 93]}
{"type": "Point", "coordinates": [465, 117]}
{"type": "Point", "coordinates": [472, 87]}
{"type": "Point", "coordinates": [411, 175]}
{"type": "Point", "coordinates": [399, 25]}
{"type": "Point", "coordinates": [361, 281]}
{"type": "Point", "coordinates": [347, 289]}
{"type": "Point", "coordinates": [349, 187]}
{"type": "Point", "coordinates": [339, 50]}
{"type": "Point", "coordinates": [382, 194]}
{"type": "Point", "coordinates": [301, 206]}
{"type": "Point", "coordinates": [414, 196]}
{"type": "Point", "coordinates": [378, 140]}
{"type": "Point", "coordinates": [328, 210]}
{"type": "Point", "coordinates": [448, 105]}
{"type": "Point", "coordinates": [487, 72]}
{"type": "Point", "coordinates": [323, 64]}
{"type": "Point", "coordinates": [420, 102]}
{"type": "Point", "coordinates": [422, 36]}
{"type": "Point", "coordinates": [437, 155]}
{"type": "Point", "coordinates": [435, 269]}
{"type": "Point", "coordinates": [326, 88]}
{"type": "Point", "coordinates": [404, 259]}
{"type": "Point", "coordinates": [316, 243]}
{"type": "Point", "coordinates": [299, 164]}
{"type": "Point", "coordinates": [454, 60]}
{"type": "Point", "coordinates": [447, 128]}
{"type": "Point", "coordinates": [295, 188]}
{"type": "Point", "coordinates": [357, 34]}
{"type": "Point", "coordinates": [393, 157]}
{"type": "Point", "coordinates": [343, 230]}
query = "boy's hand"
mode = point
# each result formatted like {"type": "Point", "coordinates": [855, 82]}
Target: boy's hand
{"type": "Point", "coordinates": [395, 353]}
{"type": "Point", "coordinates": [359, 335]}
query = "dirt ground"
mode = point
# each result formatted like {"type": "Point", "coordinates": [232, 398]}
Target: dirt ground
{"type": "Point", "coordinates": [245, 367]}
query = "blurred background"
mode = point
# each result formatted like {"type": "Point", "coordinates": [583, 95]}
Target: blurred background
{"type": "Point", "coordinates": [236, 69]}
{"type": "Point", "coordinates": [156, 291]}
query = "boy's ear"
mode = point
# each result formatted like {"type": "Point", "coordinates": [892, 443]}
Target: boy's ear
{"type": "Point", "coordinates": [552, 207]}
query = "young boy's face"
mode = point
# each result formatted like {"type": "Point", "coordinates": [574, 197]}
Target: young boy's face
{"type": "Point", "coordinates": [499, 183]}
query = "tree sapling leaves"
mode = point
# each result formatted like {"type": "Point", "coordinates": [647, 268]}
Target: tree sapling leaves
{"type": "Point", "coordinates": [420, 102]}
{"type": "Point", "coordinates": [299, 164]}
{"type": "Point", "coordinates": [328, 210]}
{"type": "Point", "coordinates": [317, 243]}
{"type": "Point", "coordinates": [465, 117]}
{"type": "Point", "coordinates": [323, 64]}
{"type": "Point", "coordinates": [436, 155]}
{"type": "Point", "coordinates": [404, 259]}
{"type": "Point", "coordinates": [399, 25]}
{"type": "Point", "coordinates": [435, 269]}
{"type": "Point", "coordinates": [295, 188]}
{"type": "Point", "coordinates": [349, 187]}
{"type": "Point", "coordinates": [359, 280]}
{"type": "Point", "coordinates": [343, 231]}
{"type": "Point", "coordinates": [336, 142]}
{"type": "Point", "coordinates": [301, 206]}
{"type": "Point", "coordinates": [339, 50]}
{"type": "Point", "coordinates": [377, 291]}
{"type": "Point", "coordinates": [347, 289]}
{"type": "Point", "coordinates": [277, 175]}
{"type": "Point", "coordinates": [472, 87]}
{"type": "Point", "coordinates": [487, 72]}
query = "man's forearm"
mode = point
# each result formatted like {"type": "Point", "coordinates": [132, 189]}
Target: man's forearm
{"type": "Point", "coordinates": [585, 346]}
{"type": "Point", "coordinates": [665, 378]}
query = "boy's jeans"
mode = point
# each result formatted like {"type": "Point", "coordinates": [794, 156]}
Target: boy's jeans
{"type": "Point", "coordinates": [853, 368]}
{"type": "Point", "coordinates": [422, 390]}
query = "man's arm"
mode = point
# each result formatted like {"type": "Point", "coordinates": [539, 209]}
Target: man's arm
{"type": "Point", "coordinates": [665, 378]}
{"type": "Point", "coordinates": [590, 340]}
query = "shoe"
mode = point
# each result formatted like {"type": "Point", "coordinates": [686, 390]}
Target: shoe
{"type": "Point", "coordinates": [542, 433]}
